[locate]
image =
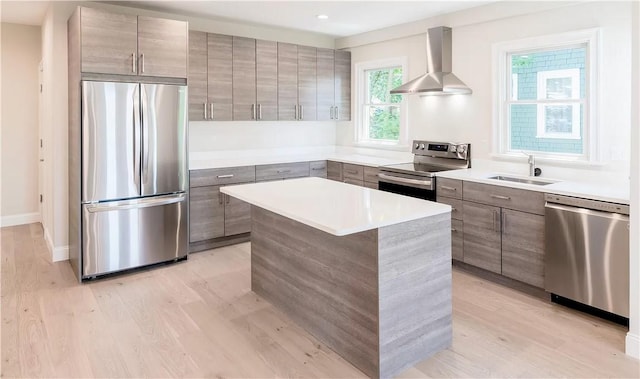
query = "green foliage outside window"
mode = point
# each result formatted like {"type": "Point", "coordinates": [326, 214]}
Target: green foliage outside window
{"type": "Point", "coordinates": [383, 108]}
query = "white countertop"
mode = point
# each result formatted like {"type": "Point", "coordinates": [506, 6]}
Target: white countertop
{"type": "Point", "coordinates": [334, 207]}
{"type": "Point", "coordinates": [611, 192]}
{"type": "Point", "coordinates": [237, 158]}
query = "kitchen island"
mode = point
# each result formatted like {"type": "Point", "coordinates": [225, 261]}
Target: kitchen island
{"type": "Point", "coordinates": [367, 272]}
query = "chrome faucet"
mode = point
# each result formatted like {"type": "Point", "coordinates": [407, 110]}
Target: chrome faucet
{"type": "Point", "coordinates": [532, 164]}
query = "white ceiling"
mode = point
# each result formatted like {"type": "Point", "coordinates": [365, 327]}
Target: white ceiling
{"type": "Point", "coordinates": [345, 17]}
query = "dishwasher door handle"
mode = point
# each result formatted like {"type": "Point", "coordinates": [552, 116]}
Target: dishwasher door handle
{"type": "Point", "coordinates": [585, 211]}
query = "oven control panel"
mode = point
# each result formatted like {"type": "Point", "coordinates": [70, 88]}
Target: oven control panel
{"type": "Point", "coordinates": [441, 149]}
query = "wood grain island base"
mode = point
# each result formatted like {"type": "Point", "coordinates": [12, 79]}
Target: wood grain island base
{"type": "Point", "coordinates": [380, 295]}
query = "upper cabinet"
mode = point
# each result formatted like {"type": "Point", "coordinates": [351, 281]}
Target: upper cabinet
{"type": "Point", "coordinates": [267, 80]}
{"type": "Point", "coordinates": [112, 43]}
{"type": "Point", "coordinates": [244, 79]}
{"type": "Point", "coordinates": [342, 102]}
{"type": "Point", "coordinates": [334, 85]}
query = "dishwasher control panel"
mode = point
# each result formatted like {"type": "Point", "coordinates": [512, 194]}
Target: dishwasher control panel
{"type": "Point", "coordinates": [578, 202]}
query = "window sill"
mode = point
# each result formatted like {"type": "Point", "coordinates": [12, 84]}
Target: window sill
{"type": "Point", "coordinates": [551, 161]}
{"type": "Point", "coordinates": [383, 145]}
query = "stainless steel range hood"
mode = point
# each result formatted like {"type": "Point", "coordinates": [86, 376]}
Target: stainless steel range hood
{"type": "Point", "coordinates": [438, 80]}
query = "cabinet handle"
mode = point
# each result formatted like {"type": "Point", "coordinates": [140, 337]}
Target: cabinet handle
{"type": "Point", "coordinates": [447, 188]}
{"type": "Point", "coordinates": [454, 230]}
{"type": "Point", "coordinates": [227, 176]}
{"type": "Point", "coordinates": [453, 209]}
{"type": "Point", "coordinates": [283, 171]}
{"type": "Point", "coordinates": [205, 110]}
{"type": "Point", "coordinates": [295, 107]}
{"type": "Point", "coordinates": [334, 110]}
{"type": "Point", "coordinates": [317, 168]}
{"type": "Point", "coordinates": [500, 197]}
{"type": "Point", "coordinates": [302, 112]}
{"type": "Point", "coordinates": [496, 221]}
{"type": "Point", "coordinates": [142, 63]}
{"type": "Point", "coordinates": [353, 172]}
{"type": "Point", "coordinates": [504, 222]}
{"type": "Point", "coordinates": [134, 69]}
{"type": "Point", "coordinates": [219, 197]}
{"type": "Point", "coordinates": [259, 111]}
{"type": "Point", "coordinates": [253, 111]}
{"type": "Point", "coordinates": [337, 113]}
{"type": "Point", "coordinates": [210, 111]}
{"type": "Point", "coordinates": [228, 198]}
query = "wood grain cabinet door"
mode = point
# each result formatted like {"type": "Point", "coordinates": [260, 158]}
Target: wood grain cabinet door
{"type": "Point", "coordinates": [334, 171]}
{"type": "Point", "coordinates": [206, 213]}
{"type": "Point", "coordinates": [237, 216]}
{"type": "Point", "coordinates": [326, 84]}
{"type": "Point", "coordinates": [307, 83]}
{"type": "Point", "coordinates": [162, 47]}
{"type": "Point", "coordinates": [109, 42]}
{"type": "Point", "coordinates": [197, 76]}
{"type": "Point", "coordinates": [267, 80]}
{"type": "Point", "coordinates": [343, 85]}
{"type": "Point", "coordinates": [523, 247]}
{"type": "Point", "coordinates": [287, 81]}
{"type": "Point", "coordinates": [482, 236]}
{"type": "Point", "coordinates": [244, 79]}
{"type": "Point", "coordinates": [220, 76]}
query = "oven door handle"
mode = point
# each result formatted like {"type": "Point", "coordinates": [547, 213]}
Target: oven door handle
{"type": "Point", "coordinates": [410, 182]}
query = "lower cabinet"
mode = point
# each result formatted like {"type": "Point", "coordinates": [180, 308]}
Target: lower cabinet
{"type": "Point", "coordinates": [523, 247]}
{"type": "Point", "coordinates": [214, 214]}
{"type": "Point", "coordinates": [482, 236]}
{"type": "Point", "coordinates": [206, 213]}
{"type": "Point", "coordinates": [237, 216]}
{"type": "Point", "coordinates": [334, 171]}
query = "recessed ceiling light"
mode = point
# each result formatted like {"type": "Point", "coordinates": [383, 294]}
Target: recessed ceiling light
{"type": "Point", "coordinates": [322, 17]}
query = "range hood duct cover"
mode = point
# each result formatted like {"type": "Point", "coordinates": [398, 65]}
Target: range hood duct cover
{"type": "Point", "coordinates": [439, 80]}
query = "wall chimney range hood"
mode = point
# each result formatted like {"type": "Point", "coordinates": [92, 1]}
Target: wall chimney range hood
{"type": "Point", "coordinates": [438, 80]}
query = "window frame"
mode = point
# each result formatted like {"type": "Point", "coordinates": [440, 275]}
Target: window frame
{"type": "Point", "coordinates": [502, 84]}
{"type": "Point", "coordinates": [361, 135]}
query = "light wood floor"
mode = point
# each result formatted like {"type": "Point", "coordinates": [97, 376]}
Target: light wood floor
{"type": "Point", "coordinates": [200, 319]}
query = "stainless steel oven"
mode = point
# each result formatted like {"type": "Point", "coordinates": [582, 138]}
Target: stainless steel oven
{"type": "Point", "coordinates": [418, 178]}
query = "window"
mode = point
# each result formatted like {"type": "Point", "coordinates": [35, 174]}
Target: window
{"type": "Point", "coordinates": [381, 116]}
{"type": "Point", "coordinates": [545, 98]}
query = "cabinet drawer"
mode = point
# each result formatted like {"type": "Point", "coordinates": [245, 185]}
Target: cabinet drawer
{"type": "Point", "coordinates": [457, 240]}
{"type": "Point", "coordinates": [282, 171]}
{"type": "Point", "coordinates": [221, 176]}
{"type": "Point", "coordinates": [456, 206]}
{"type": "Point", "coordinates": [318, 168]}
{"type": "Point", "coordinates": [449, 188]}
{"type": "Point", "coordinates": [334, 170]}
{"type": "Point", "coordinates": [354, 181]}
{"type": "Point", "coordinates": [505, 197]}
{"type": "Point", "coordinates": [371, 185]}
{"type": "Point", "coordinates": [352, 171]}
{"type": "Point", "coordinates": [370, 174]}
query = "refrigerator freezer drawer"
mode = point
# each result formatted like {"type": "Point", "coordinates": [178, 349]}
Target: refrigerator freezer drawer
{"type": "Point", "coordinates": [125, 234]}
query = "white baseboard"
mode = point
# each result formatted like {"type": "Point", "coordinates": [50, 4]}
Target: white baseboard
{"type": "Point", "coordinates": [21, 219]}
{"type": "Point", "coordinates": [59, 253]}
{"type": "Point", "coordinates": [632, 342]}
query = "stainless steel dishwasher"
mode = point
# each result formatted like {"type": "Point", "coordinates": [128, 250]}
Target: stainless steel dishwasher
{"type": "Point", "coordinates": [587, 252]}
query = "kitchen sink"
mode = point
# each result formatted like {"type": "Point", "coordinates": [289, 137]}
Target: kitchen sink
{"type": "Point", "coordinates": [520, 180]}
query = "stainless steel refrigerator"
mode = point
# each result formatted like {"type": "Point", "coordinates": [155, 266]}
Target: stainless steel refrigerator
{"type": "Point", "coordinates": [133, 175]}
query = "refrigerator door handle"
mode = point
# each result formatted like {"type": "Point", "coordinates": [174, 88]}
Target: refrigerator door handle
{"type": "Point", "coordinates": [135, 204]}
{"type": "Point", "coordinates": [145, 133]}
{"type": "Point", "coordinates": [136, 137]}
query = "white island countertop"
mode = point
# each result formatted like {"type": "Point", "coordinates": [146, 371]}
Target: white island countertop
{"type": "Point", "coordinates": [334, 207]}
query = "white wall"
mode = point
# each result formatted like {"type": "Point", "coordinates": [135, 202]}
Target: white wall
{"type": "Point", "coordinates": [469, 118]}
{"type": "Point", "coordinates": [21, 53]}
{"type": "Point", "coordinates": [633, 337]}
